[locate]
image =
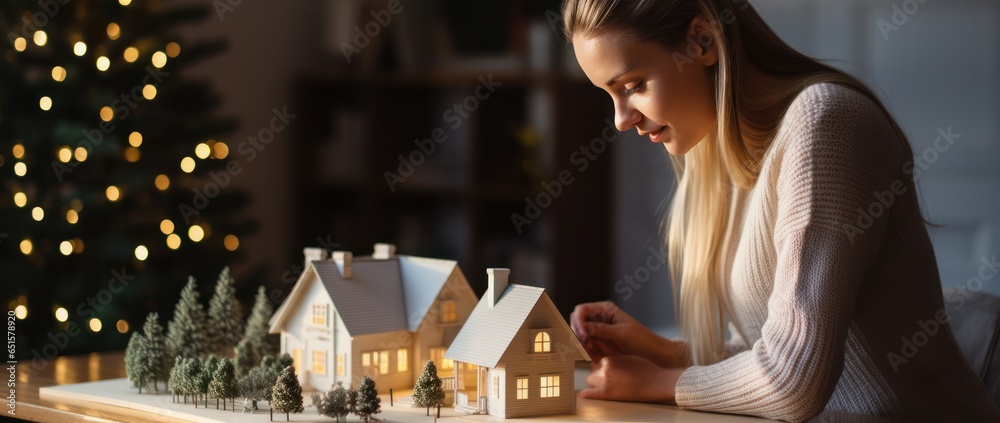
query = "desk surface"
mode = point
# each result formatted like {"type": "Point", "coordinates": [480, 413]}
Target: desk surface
{"type": "Point", "coordinates": [102, 366]}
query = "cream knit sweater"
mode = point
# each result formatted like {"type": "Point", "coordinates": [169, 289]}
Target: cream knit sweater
{"type": "Point", "coordinates": [830, 270]}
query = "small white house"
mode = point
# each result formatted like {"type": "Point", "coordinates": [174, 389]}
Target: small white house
{"type": "Point", "coordinates": [382, 316]}
{"type": "Point", "coordinates": [515, 354]}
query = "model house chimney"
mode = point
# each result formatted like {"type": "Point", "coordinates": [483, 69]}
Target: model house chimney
{"type": "Point", "coordinates": [497, 284]}
{"type": "Point", "coordinates": [384, 251]}
{"type": "Point", "coordinates": [313, 254]}
{"type": "Point", "coordinates": [343, 260]}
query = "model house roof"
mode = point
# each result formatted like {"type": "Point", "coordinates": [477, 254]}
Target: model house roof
{"type": "Point", "coordinates": [490, 329]}
{"type": "Point", "coordinates": [373, 294]}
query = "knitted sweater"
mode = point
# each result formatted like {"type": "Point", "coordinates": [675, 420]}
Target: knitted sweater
{"type": "Point", "coordinates": [832, 277]}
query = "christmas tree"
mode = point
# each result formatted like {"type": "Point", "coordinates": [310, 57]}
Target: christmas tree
{"type": "Point", "coordinates": [428, 392]}
{"type": "Point", "coordinates": [224, 315]}
{"type": "Point", "coordinates": [177, 385]}
{"type": "Point", "coordinates": [136, 361]}
{"type": "Point", "coordinates": [368, 404]}
{"type": "Point", "coordinates": [107, 157]}
{"type": "Point", "coordinates": [192, 380]}
{"type": "Point", "coordinates": [333, 403]}
{"type": "Point", "coordinates": [286, 397]}
{"type": "Point", "coordinates": [186, 331]}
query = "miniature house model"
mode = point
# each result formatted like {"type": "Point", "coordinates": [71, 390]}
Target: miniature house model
{"type": "Point", "coordinates": [383, 316]}
{"type": "Point", "coordinates": [515, 354]}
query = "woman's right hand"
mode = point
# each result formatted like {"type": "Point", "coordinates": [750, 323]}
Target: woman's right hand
{"type": "Point", "coordinates": [606, 330]}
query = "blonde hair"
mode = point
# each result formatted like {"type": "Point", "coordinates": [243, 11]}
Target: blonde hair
{"type": "Point", "coordinates": [755, 79]}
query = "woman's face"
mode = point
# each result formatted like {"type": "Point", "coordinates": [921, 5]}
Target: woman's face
{"type": "Point", "coordinates": [664, 93]}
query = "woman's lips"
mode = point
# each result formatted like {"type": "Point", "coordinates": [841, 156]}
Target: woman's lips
{"type": "Point", "coordinates": [656, 135]}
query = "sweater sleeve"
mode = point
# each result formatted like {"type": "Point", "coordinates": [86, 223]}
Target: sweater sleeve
{"type": "Point", "coordinates": [828, 169]}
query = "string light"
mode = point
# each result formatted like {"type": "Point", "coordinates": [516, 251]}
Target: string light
{"type": "Point", "coordinates": [66, 248]}
{"type": "Point", "coordinates": [167, 227]}
{"type": "Point", "coordinates": [107, 113]}
{"type": "Point", "coordinates": [103, 63]}
{"type": "Point", "coordinates": [131, 54]}
{"type": "Point", "coordinates": [65, 155]}
{"type": "Point", "coordinates": [21, 312]}
{"type": "Point", "coordinates": [187, 165]}
{"type": "Point", "coordinates": [45, 103]}
{"type": "Point", "coordinates": [18, 151]}
{"type": "Point", "coordinates": [26, 246]}
{"type": "Point", "coordinates": [59, 73]}
{"type": "Point", "coordinates": [124, 2]}
{"type": "Point", "coordinates": [113, 193]}
{"type": "Point", "coordinates": [114, 31]}
{"type": "Point", "coordinates": [61, 314]}
{"type": "Point", "coordinates": [220, 149]}
{"type": "Point", "coordinates": [132, 154]}
{"type": "Point", "coordinates": [72, 216]}
{"type": "Point", "coordinates": [173, 49]}
{"type": "Point", "coordinates": [135, 139]}
{"type": "Point", "coordinates": [149, 92]}
{"type": "Point", "coordinates": [95, 324]}
{"type": "Point", "coordinates": [162, 182]}
{"type": "Point", "coordinates": [80, 48]}
{"type": "Point", "coordinates": [77, 245]}
{"type": "Point", "coordinates": [159, 59]}
{"type": "Point", "coordinates": [80, 154]}
{"type": "Point", "coordinates": [41, 38]}
{"type": "Point", "coordinates": [20, 169]}
{"type": "Point", "coordinates": [196, 233]}
{"type": "Point", "coordinates": [173, 241]}
{"type": "Point", "coordinates": [141, 253]}
{"type": "Point", "coordinates": [20, 199]}
{"type": "Point", "coordinates": [202, 151]}
{"type": "Point", "coordinates": [38, 213]}
{"type": "Point", "coordinates": [231, 242]}
{"type": "Point", "coordinates": [20, 44]}
{"type": "Point", "coordinates": [122, 326]}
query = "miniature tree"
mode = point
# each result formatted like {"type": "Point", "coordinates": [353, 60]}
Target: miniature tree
{"type": "Point", "coordinates": [268, 361]}
{"type": "Point", "coordinates": [352, 399]}
{"type": "Point", "coordinates": [259, 341]}
{"type": "Point", "coordinates": [244, 359]}
{"type": "Point", "coordinates": [223, 384]}
{"type": "Point", "coordinates": [193, 379]}
{"type": "Point", "coordinates": [157, 357]}
{"type": "Point", "coordinates": [186, 332]}
{"type": "Point", "coordinates": [333, 403]}
{"type": "Point", "coordinates": [368, 403]}
{"type": "Point", "coordinates": [287, 394]}
{"type": "Point", "coordinates": [257, 384]}
{"type": "Point", "coordinates": [176, 384]}
{"type": "Point", "coordinates": [210, 364]}
{"type": "Point", "coordinates": [135, 361]}
{"type": "Point", "coordinates": [284, 361]}
{"type": "Point", "coordinates": [224, 315]}
{"type": "Point", "coordinates": [428, 393]}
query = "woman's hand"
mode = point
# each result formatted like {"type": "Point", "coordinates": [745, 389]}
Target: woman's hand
{"type": "Point", "coordinates": [631, 378]}
{"type": "Point", "coordinates": [607, 331]}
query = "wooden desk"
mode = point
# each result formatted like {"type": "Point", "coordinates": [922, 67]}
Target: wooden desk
{"type": "Point", "coordinates": [102, 366]}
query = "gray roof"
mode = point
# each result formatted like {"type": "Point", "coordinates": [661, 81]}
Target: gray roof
{"type": "Point", "coordinates": [384, 295]}
{"type": "Point", "coordinates": [489, 331]}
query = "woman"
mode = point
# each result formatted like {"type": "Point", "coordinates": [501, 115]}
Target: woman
{"type": "Point", "coordinates": [795, 224]}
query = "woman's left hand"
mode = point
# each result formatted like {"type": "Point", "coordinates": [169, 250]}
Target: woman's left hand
{"type": "Point", "coordinates": [631, 378]}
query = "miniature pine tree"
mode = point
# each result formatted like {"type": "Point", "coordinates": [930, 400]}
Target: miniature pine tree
{"type": "Point", "coordinates": [284, 361]}
{"type": "Point", "coordinates": [260, 342]}
{"type": "Point", "coordinates": [368, 403]}
{"type": "Point", "coordinates": [428, 393]}
{"type": "Point", "coordinates": [176, 384]}
{"type": "Point", "coordinates": [224, 383]}
{"type": "Point", "coordinates": [211, 363]}
{"type": "Point", "coordinates": [287, 394]}
{"type": "Point", "coordinates": [157, 358]}
{"type": "Point", "coordinates": [268, 361]}
{"type": "Point", "coordinates": [333, 403]}
{"type": "Point", "coordinates": [224, 325]}
{"type": "Point", "coordinates": [135, 361]}
{"type": "Point", "coordinates": [186, 332]}
{"type": "Point", "coordinates": [193, 379]}
{"type": "Point", "coordinates": [244, 358]}
{"type": "Point", "coordinates": [257, 384]}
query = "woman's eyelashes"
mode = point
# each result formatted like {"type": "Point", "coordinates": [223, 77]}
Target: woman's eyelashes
{"type": "Point", "coordinates": [638, 87]}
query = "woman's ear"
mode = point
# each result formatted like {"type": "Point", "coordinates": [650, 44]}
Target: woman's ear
{"type": "Point", "coordinates": [704, 39]}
